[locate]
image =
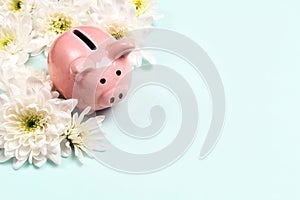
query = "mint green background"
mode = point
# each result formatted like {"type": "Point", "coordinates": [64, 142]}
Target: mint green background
{"type": "Point", "coordinates": [255, 46]}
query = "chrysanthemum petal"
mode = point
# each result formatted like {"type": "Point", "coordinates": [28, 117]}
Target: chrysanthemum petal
{"type": "Point", "coordinates": [18, 163]}
{"type": "Point", "coordinates": [55, 158]}
{"type": "Point", "coordinates": [39, 163]}
{"type": "Point", "coordinates": [79, 154]}
{"type": "Point", "coordinates": [3, 157]}
{"type": "Point", "coordinates": [65, 148]}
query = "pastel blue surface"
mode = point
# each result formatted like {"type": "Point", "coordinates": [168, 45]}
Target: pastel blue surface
{"type": "Point", "coordinates": [255, 46]}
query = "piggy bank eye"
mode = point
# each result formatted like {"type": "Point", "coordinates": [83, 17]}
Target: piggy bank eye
{"type": "Point", "coordinates": [102, 80]}
{"type": "Point", "coordinates": [118, 72]}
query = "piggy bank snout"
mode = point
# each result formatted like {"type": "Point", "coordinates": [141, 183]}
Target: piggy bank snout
{"type": "Point", "coordinates": [113, 96]}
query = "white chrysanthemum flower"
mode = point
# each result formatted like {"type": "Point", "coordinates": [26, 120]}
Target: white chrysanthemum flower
{"type": "Point", "coordinates": [31, 123]}
{"type": "Point", "coordinates": [146, 7]}
{"type": "Point", "coordinates": [83, 136]}
{"type": "Point", "coordinates": [119, 18]}
{"type": "Point", "coordinates": [18, 7]}
{"type": "Point", "coordinates": [16, 39]}
{"type": "Point", "coordinates": [53, 18]}
{"type": "Point", "coordinates": [18, 74]}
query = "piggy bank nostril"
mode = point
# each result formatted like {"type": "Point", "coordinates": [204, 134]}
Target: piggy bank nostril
{"type": "Point", "coordinates": [112, 100]}
{"type": "Point", "coordinates": [102, 80]}
{"type": "Point", "coordinates": [120, 96]}
{"type": "Point", "coordinates": [118, 72]}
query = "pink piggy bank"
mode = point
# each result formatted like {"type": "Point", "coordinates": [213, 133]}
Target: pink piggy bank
{"type": "Point", "coordinates": [76, 64]}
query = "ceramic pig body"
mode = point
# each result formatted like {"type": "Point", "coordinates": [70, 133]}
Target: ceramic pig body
{"type": "Point", "coordinates": [73, 64]}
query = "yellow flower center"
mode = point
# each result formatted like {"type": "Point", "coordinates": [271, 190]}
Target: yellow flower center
{"type": "Point", "coordinates": [33, 120]}
{"type": "Point", "coordinates": [140, 6]}
{"type": "Point", "coordinates": [116, 30]}
{"type": "Point", "coordinates": [31, 123]}
{"type": "Point", "coordinates": [15, 5]}
{"type": "Point", "coordinates": [116, 34]}
{"type": "Point", "coordinates": [75, 135]}
{"type": "Point", "coordinates": [5, 41]}
{"type": "Point", "coordinates": [60, 23]}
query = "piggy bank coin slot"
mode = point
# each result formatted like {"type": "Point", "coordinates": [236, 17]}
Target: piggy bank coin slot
{"type": "Point", "coordinates": [85, 39]}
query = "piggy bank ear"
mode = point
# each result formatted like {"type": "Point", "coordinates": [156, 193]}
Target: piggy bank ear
{"type": "Point", "coordinates": [80, 64]}
{"type": "Point", "coordinates": [120, 48]}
